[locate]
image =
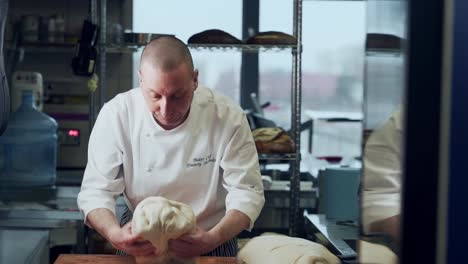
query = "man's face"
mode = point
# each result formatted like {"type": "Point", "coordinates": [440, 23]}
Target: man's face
{"type": "Point", "coordinates": [168, 95]}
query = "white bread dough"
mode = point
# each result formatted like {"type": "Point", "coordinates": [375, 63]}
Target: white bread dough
{"type": "Point", "coordinates": [284, 250]}
{"type": "Point", "coordinates": [158, 220]}
{"type": "Point", "coordinates": [375, 253]}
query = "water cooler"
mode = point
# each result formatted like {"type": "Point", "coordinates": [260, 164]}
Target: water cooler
{"type": "Point", "coordinates": [28, 150]}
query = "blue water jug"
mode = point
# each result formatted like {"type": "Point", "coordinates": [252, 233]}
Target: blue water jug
{"type": "Point", "coordinates": [28, 148]}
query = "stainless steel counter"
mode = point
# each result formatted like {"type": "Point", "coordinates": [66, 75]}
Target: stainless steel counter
{"type": "Point", "coordinates": [339, 235]}
{"type": "Point", "coordinates": [24, 246]}
{"type": "Point", "coordinates": [29, 211]}
{"type": "Point", "coordinates": [58, 212]}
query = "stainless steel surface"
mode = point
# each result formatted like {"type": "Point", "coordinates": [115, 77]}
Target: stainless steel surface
{"type": "Point", "coordinates": [334, 233]}
{"type": "Point", "coordinates": [243, 47]}
{"type": "Point", "coordinates": [59, 212]}
{"type": "Point", "coordinates": [24, 246]}
{"type": "Point", "coordinates": [140, 39]}
{"type": "Point", "coordinates": [41, 48]}
{"type": "Point", "coordinates": [212, 47]}
{"type": "Point", "coordinates": [49, 214]}
{"type": "Point", "coordinates": [296, 119]}
{"type": "Point", "coordinates": [41, 223]}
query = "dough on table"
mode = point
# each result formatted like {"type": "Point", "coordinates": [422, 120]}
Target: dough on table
{"type": "Point", "coordinates": [158, 220]}
{"type": "Point", "coordinates": [284, 250]}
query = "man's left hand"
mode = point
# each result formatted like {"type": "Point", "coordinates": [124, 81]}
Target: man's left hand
{"type": "Point", "coordinates": [193, 244]}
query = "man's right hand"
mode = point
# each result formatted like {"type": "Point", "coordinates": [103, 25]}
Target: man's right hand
{"type": "Point", "coordinates": [123, 239]}
{"type": "Point", "coordinates": [105, 223]}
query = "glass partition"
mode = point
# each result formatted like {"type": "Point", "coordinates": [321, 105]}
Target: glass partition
{"type": "Point", "coordinates": [383, 131]}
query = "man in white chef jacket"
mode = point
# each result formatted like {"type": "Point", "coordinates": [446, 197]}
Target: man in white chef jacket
{"type": "Point", "coordinates": [174, 139]}
{"type": "Point", "coordinates": [382, 179]}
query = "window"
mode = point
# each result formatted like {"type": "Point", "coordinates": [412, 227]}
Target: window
{"type": "Point", "coordinates": [384, 85]}
{"type": "Point", "coordinates": [332, 70]}
{"type": "Point", "coordinates": [218, 70]}
{"type": "Point", "coordinates": [332, 59]}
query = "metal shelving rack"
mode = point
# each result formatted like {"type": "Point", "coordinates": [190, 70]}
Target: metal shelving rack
{"type": "Point", "coordinates": [212, 47]}
{"type": "Point", "coordinates": [296, 93]}
{"type": "Point", "coordinates": [92, 95]}
{"type": "Point", "coordinates": [296, 90]}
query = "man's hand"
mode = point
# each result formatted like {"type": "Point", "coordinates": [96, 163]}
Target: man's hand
{"type": "Point", "coordinates": [194, 244]}
{"type": "Point", "coordinates": [201, 241]}
{"type": "Point", "coordinates": [105, 223]}
{"type": "Point", "coordinates": [123, 239]}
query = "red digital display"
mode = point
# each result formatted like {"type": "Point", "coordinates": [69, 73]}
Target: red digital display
{"type": "Point", "coordinates": [74, 133]}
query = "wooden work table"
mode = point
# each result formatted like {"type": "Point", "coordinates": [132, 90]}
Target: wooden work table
{"type": "Point", "coordinates": [114, 259]}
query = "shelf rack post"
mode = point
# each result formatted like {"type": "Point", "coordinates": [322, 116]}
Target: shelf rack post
{"type": "Point", "coordinates": [296, 120]}
{"type": "Point", "coordinates": [102, 54]}
{"type": "Point", "coordinates": [92, 94]}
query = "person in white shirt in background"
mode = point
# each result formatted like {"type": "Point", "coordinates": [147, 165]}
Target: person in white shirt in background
{"type": "Point", "coordinates": [382, 179]}
{"type": "Point", "coordinates": [174, 139]}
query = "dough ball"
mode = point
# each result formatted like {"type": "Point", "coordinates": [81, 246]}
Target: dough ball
{"type": "Point", "coordinates": [284, 250]}
{"type": "Point", "coordinates": [158, 219]}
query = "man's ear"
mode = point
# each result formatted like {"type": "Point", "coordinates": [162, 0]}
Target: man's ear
{"type": "Point", "coordinates": [140, 78]}
{"type": "Point", "coordinates": [195, 79]}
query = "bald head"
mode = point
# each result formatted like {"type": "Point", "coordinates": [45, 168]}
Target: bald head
{"type": "Point", "coordinates": [166, 53]}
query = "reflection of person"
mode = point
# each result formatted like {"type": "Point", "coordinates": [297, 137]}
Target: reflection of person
{"type": "Point", "coordinates": [382, 178]}
{"type": "Point", "coordinates": [168, 138]}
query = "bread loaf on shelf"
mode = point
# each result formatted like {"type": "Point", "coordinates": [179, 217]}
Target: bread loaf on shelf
{"type": "Point", "coordinates": [378, 41]}
{"type": "Point", "coordinates": [272, 38]}
{"type": "Point", "coordinates": [213, 36]}
{"type": "Point", "coordinates": [270, 140]}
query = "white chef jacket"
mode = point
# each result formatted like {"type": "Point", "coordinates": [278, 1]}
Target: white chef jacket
{"type": "Point", "coordinates": [382, 172]}
{"type": "Point", "coordinates": [208, 162]}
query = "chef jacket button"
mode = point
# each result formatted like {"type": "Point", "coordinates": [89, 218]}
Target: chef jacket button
{"type": "Point", "coordinates": [149, 169]}
{"type": "Point", "coordinates": [148, 135]}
